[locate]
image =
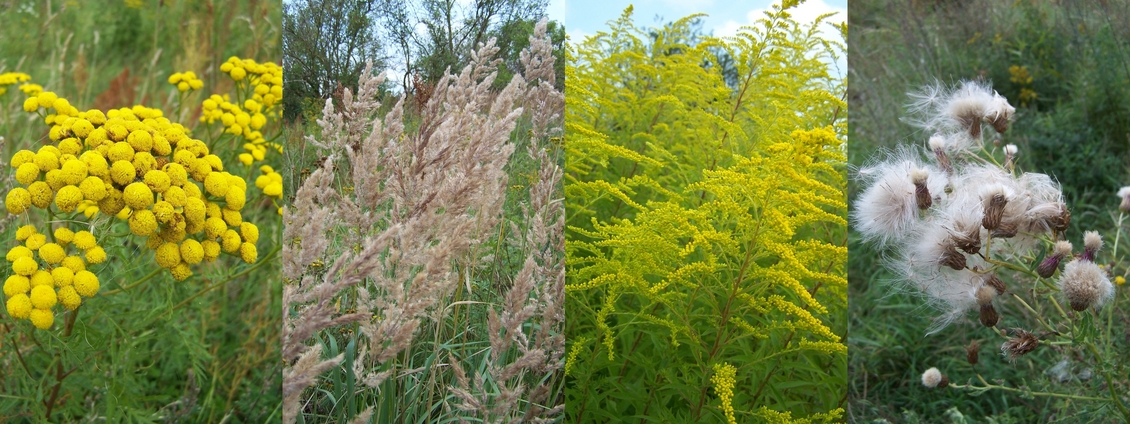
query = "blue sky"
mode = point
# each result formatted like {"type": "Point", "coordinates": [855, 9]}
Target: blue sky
{"type": "Point", "coordinates": [586, 17]}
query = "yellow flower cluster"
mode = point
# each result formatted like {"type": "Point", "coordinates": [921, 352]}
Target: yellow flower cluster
{"type": "Point", "coordinates": [12, 78]}
{"type": "Point", "coordinates": [137, 165]}
{"type": "Point", "coordinates": [243, 121]}
{"type": "Point", "coordinates": [186, 81]}
{"type": "Point", "coordinates": [265, 80]}
{"type": "Point", "coordinates": [271, 183]}
{"type": "Point", "coordinates": [723, 381]}
{"type": "Point", "coordinates": [43, 275]}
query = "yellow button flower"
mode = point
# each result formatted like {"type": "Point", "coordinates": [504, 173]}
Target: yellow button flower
{"type": "Point", "coordinates": [19, 252]}
{"type": "Point", "coordinates": [211, 250]}
{"type": "Point", "coordinates": [249, 232]}
{"type": "Point", "coordinates": [96, 255]}
{"type": "Point", "coordinates": [42, 318]}
{"type": "Point", "coordinates": [74, 263]}
{"type": "Point", "coordinates": [42, 278]}
{"type": "Point", "coordinates": [64, 236]}
{"type": "Point", "coordinates": [62, 276]}
{"type": "Point", "coordinates": [69, 298]}
{"type": "Point", "coordinates": [86, 283]}
{"type": "Point", "coordinates": [43, 297]}
{"type": "Point", "coordinates": [143, 223]}
{"type": "Point", "coordinates": [41, 194]}
{"type": "Point", "coordinates": [52, 253]}
{"type": "Point", "coordinates": [138, 196]}
{"type": "Point", "coordinates": [17, 284]}
{"type": "Point", "coordinates": [36, 241]}
{"type": "Point", "coordinates": [181, 272]}
{"type": "Point", "coordinates": [248, 253]}
{"type": "Point", "coordinates": [17, 201]}
{"type": "Point", "coordinates": [85, 240]}
{"type": "Point", "coordinates": [19, 306]}
{"type": "Point", "coordinates": [27, 173]}
{"type": "Point", "coordinates": [68, 198]}
{"type": "Point", "coordinates": [168, 255]}
{"type": "Point", "coordinates": [231, 241]}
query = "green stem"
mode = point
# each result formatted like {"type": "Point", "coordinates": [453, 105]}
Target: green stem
{"type": "Point", "coordinates": [987, 386]}
{"type": "Point", "coordinates": [1033, 311]}
{"type": "Point", "coordinates": [258, 264]}
{"type": "Point", "coordinates": [135, 284]}
{"type": "Point", "coordinates": [1109, 382]}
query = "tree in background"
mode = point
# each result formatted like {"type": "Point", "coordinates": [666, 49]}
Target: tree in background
{"type": "Point", "coordinates": [327, 41]}
{"type": "Point", "coordinates": [326, 44]}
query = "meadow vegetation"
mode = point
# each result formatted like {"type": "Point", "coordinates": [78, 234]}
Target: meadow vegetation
{"type": "Point", "coordinates": [423, 249]}
{"type": "Point", "coordinates": [1063, 69]}
{"type": "Point", "coordinates": [140, 224]}
{"type": "Point", "coordinates": [706, 224]}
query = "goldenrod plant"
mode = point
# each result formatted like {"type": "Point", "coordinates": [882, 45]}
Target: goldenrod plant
{"type": "Point", "coordinates": [972, 234]}
{"type": "Point", "coordinates": [706, 224]}
{"type": "Point", "coordinates": [137, 245]}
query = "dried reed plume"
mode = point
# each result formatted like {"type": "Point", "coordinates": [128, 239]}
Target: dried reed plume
{"type": "Point", "coordinates": [420, 206]}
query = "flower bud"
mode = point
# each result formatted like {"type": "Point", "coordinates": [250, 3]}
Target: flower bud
{"type": "Point", "coordinates": [972, 352]}
{"type": "Point", "coordinates": [1124, 194]}
{"type": "Point", "coordinates": [938, 144]}
{"type": "Point", "coordinates": [994, 201]}
{"type": "Point", "coordinates": [921, 192]}
{"type": "Point", "coordinates": [1048, 266]}
{"type": "Point", "coordinates": [1092, 242]}
{"type": "Point", "coordinates": [989, 316]}
{"type": "Point", "coordinates": [951, 257]}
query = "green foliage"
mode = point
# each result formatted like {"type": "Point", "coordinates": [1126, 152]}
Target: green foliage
{"type": "Point", "coordinates": [706, 225]}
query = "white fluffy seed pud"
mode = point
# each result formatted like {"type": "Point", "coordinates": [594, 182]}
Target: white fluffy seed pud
{"type": "Point", "coordinates": [1085, 285]}
{"type": "Point", "coordinates": [931, 378]}
{"type": "Point", "coordinates": [888, 208]}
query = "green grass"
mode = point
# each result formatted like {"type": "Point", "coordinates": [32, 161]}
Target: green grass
{"type": "Point", "coordinates": [146, 348]}
{"type": "Point", "coordinates": [1075, 131]}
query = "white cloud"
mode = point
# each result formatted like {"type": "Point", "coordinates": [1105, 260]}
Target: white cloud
{"type": "Point", "coordinates": [807, 12]}
{"type": "Point", "coordinates": [557, 10]}
{"type": "Point", "coordinates": [577, 36]}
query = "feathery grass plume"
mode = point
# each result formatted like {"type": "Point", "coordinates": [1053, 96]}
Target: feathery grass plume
{"type": "Point", "coordinates": [706, 221]}
{"type": "Point", "coordinates": [408, 234]}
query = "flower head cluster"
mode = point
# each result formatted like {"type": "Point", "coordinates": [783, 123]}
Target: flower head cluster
{"type": "Point", "coordinates": [942, 215]}
{"type": "Point", "coordinates": [186, 81]}
{"type": "Point", "coordinates": [137, 165]}
{"type": "Point", "coordinates": [44, 275]}
{"type": "Point", "coordinates": [724, 381]}
{"type": "Point", "coordinates": [265, 80]}
{"type": "Point", "coordinates": [12, 78]}
{"type": "Point", "coordinates": [270, 182]}
{"type": "Point", "coordinates": [245, 121]}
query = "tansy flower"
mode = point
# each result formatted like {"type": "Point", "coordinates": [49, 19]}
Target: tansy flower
{"type": "Point", "coordinates": [42, 318]}
{"type": "Point", "coordinates": [18, 252]}
{"type": "Point", "coordinates": [19, 306]}
{"type": "Point", "coordinates": [18, 200]}
{"type": "Point", "coordinates": [63, 276]}
{"type": "Point", "coordinates": [248, 253]}
{"type": "Point", "coordinates": [16, 284]}
{"type": "Point", "coordinates": [96, 255]}
{"type": "Point", "coordinates": [43, 297]}
{"type": "Point", "coordinates": [85, 240]}
{"type": "Point", "coordinates": [52, 253]}
{"type": "Point", "coordinates": [24, 266]}
{"type": "Point", "coordinates": [86, 283]}
{"type": "Point", "coordinates": [69, 298]}
{"type": "Point", "coordinates": [191, 252]}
